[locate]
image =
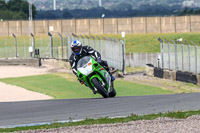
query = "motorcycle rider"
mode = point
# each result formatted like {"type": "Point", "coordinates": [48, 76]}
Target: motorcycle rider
{"type": "Point", "coordinates": [80, 51]}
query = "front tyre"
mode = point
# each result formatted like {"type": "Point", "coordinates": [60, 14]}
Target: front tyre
{"type": "Point", "coordinates": [100, 88]}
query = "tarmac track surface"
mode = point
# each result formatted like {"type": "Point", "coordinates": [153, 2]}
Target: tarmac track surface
{"type": "Point", "coordinates": [18, 113]}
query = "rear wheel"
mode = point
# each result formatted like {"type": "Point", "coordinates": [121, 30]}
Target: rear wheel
{"type": "Point", "coordinates": [100, 88]}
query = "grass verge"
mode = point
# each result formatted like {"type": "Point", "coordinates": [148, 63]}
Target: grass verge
{"type": "Point", "coordinates": [132, 117]}
{"type": "Point", "coordinates": [65, 86]}
{"type": "Point", "coordinates": [134, 69]}
{"type": "Point", "coordinates": [148, 43]}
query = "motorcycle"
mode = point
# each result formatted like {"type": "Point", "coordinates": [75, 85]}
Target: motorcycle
{"type": "Point", "coordinates": [94, 76]}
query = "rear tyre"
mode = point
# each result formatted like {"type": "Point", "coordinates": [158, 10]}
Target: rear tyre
{"type": "Point", "coordinates": [100, 88]}
{"type": "Point", "coordinates": [112, 93]}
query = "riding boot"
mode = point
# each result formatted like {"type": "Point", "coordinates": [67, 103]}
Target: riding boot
{"type": "Point", "coordinates": [112, 85]}
{"type": "Point", "coordinates": [94, 92]}
{"type": "Point", "coordinates": [112, 77]}
{"type": "Point", "coordinates": [112, 80]}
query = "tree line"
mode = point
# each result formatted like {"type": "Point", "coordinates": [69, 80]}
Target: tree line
{"type": "Point", "coordinates": [122, 10]}
{"type": "Point", "coordinates": [19, 10]}
{"type": "Point", "coordinates": [189, 11]}
{"type": "Point", "coordinates": [15, 10]}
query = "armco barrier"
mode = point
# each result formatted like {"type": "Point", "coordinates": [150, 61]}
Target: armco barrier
{"type": "Point", "coordinates": [169, 74]}
{"type": "Point", "coordinates": [186, 77]}
{"type": "Point", "coordinates": [158, 72]}
{"type": "Point", "coordinates": [149, 69]}
{"type": "Point", "coordinates": [193, 79]}
{"type": "Point", "coordinates": [26, 62]}
{"type": "Point", "coordinates": [181, 76]}
{"type": "Point", "coordinates": [173, 75]}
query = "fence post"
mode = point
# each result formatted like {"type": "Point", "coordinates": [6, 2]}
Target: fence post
{"type": "Point", "coordinates": [51, 44]}
{"type": "Point", "coordinates": [33, 45]}
{"type": "Point", "coordinates": [134, 59]}
{"type": "Point", "coordinates": [169, 52]}
{"type": "Point", "coordinates": [146, 58]}
{"type": "Point", "coordinates": [69, 41]}
{"type": "Point", "coordinates": [16, 55]}
{"type": "Point", "coordinates": [56, 44]}
{"type": "Point", "coordinates": [124, 57]}
{"type": "Point", "coordinates": [175, 55]}
{"type": "Point", "coordinates": [196, 61]}
{"type": "Point", "coordinates": [94, 41]}
{"type": "Point", "coordinates": [112, 53]}
{"type": "Point", "coordinates": [158, 55]}
{"type": "Point", "coordinates": [162, 50]}
{"type": "Point", "coordinates": [189, 57]}
{"type": "Point", "coordinates": [196, 56]}
{"type": "Point", "coordinates": [189, 62]}
{"type": "Point", "coordinates": [83, 39]}
{"type": "Point", "coordinates": [182, 46]}
{"type": "Point", "coordinates": [88, 40]}
{"type": "Point", "coordinates": [140, 58]}
{"type": "Point", "coordinates": [61, 38]}
{"type": "Point", "coordinates": [66, 45]}
{"type": "Point", "coordinates": [6, 50]}
{"type": "Point", "coordinates": [129, 59]}
{"type": "Point", "coordinates": [152, 59]}
{"type": "Point", "coordinates": [24, 49]}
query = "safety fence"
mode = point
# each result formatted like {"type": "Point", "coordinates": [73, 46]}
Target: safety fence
{"type": "Point", "coordinates": [29, 47]}
{"type": "Point", "coordinates": [141, 59]}
{"type": "Point", "coordinates": [180, 56]}
{"type": "Point", "coordinates": [59, 47]}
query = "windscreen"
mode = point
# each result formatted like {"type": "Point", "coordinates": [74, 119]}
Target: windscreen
{"type": "Point", "coordinates": [83, 61]}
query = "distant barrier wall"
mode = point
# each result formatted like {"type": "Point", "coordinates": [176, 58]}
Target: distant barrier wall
{"type": "Point", "coordinates": [174, 75]}
{"type": "Point", "coordinates": [133, 25]}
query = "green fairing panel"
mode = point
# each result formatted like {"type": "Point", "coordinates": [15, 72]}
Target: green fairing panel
{"type": "Point", "coordinates": [102, 73]}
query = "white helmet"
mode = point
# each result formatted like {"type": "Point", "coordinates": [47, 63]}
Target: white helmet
{"type": "Point", "coordinates": [76, 47]}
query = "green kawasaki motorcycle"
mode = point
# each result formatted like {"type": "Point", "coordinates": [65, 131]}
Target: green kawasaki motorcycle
{"type": "Point", "coordinates": [95, 77]}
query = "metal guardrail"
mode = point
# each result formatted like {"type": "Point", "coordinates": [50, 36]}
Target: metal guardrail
{"type": "Point", "coordinates": [141, 59]}
{"type": "Point", "coordinates": [183, 56]}
{"type": "Point", "coordinates": [59, 47]}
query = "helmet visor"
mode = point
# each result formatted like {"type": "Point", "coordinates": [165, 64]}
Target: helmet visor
{"type": "Point", "coordinates": [76, 49]}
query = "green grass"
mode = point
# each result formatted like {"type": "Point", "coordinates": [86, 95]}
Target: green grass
{"type": "Point", "coordinates": [132, 117]}
{"type": "Point", "coordinates": [148, 43]}
{"type": "Point", "coordinates": [63, 86]}
{"type": "Point", "coordinates": [126, 88]}
{"type": "Point", "coordinates": [52, 85]}
{"type": "Point", "coordinates": [134, 69]}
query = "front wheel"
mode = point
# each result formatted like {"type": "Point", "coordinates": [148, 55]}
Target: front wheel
{"type": "Point", "coordinates": [100, 88]}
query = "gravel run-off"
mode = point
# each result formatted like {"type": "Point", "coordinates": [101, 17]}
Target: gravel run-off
{"type": "Point", "coordinates": [160, 125]}
{"type": "Point", "coordinates": [11, 93]}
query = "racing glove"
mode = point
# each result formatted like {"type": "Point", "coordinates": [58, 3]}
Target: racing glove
{"type": "Point", "coordinates": [99, 60]}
